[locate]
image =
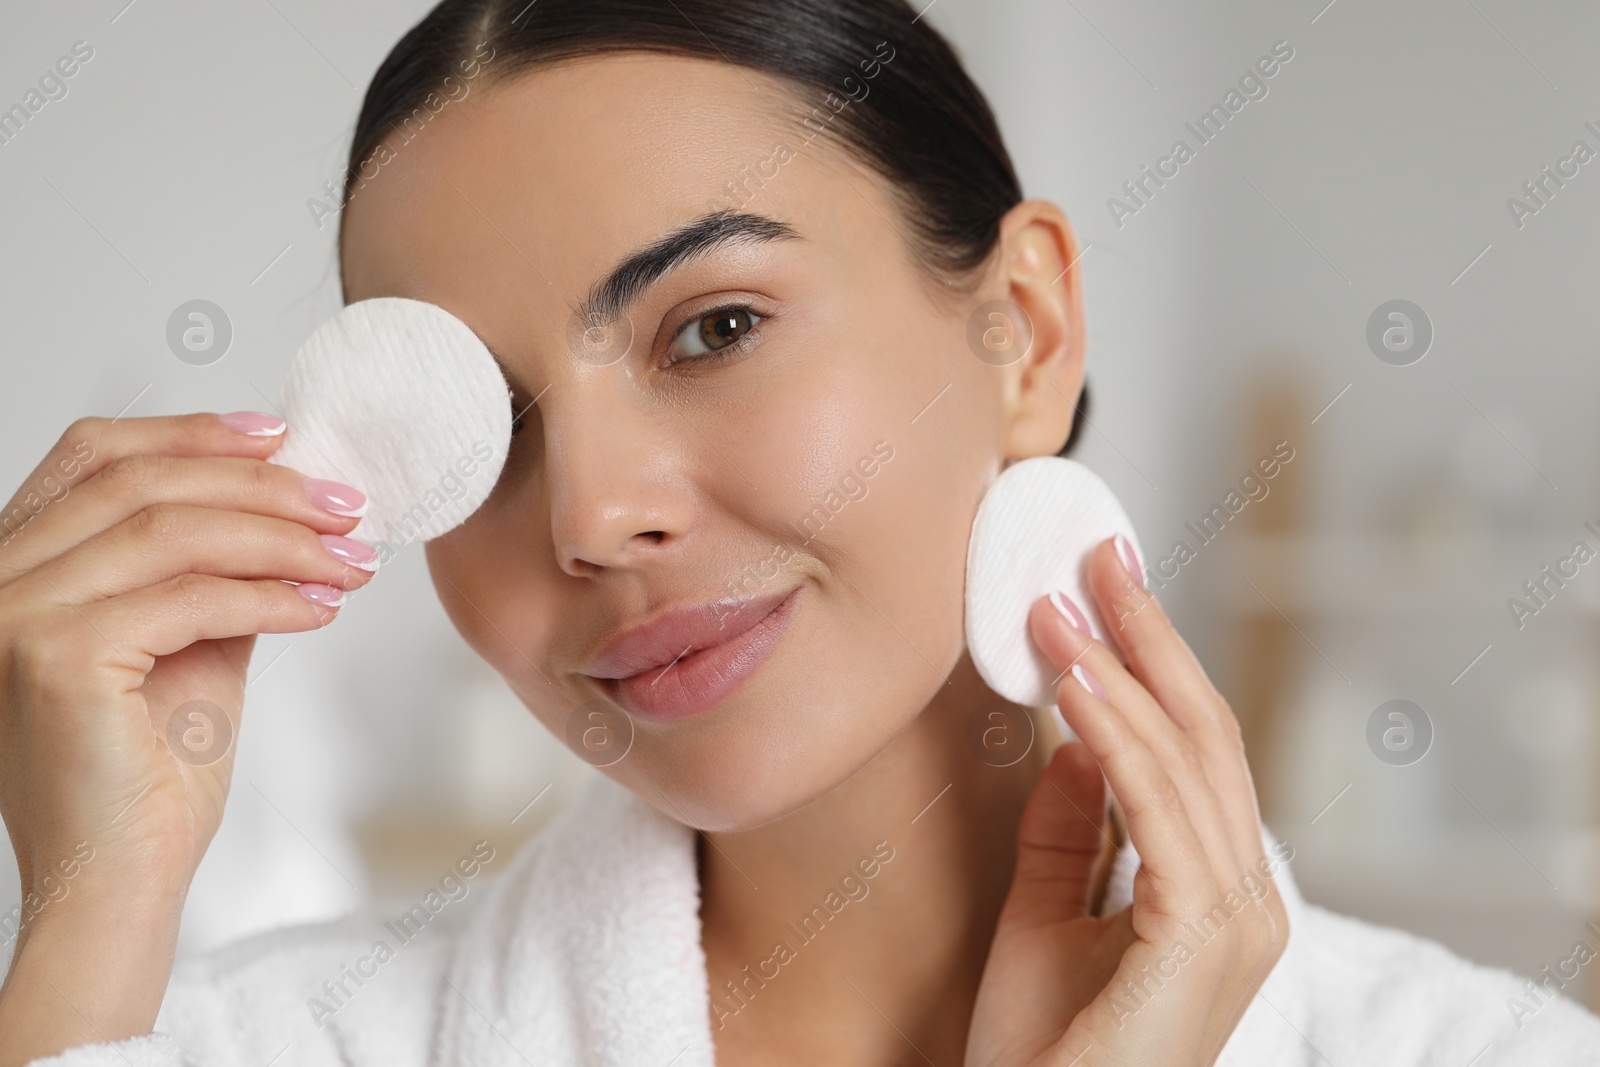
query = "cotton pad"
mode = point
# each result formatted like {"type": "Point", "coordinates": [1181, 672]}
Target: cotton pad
{"type": "Point", "coordinates": [1032, 536]}
{"type": "Point", "coordinates": [400, 399]}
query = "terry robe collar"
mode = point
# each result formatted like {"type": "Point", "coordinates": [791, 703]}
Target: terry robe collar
{"type": "Point", "coordinates": [587, 952]}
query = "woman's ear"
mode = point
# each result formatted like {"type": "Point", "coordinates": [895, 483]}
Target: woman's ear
{"type": "Point", "coordinates": [1040, 279]}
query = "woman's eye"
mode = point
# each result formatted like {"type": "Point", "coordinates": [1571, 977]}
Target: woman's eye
{"type": "Point", "coordinates": [715, 332]}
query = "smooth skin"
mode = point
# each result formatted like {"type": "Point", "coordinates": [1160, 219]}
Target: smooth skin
{"type": "Point", "coordinates": [1170, 748]}
{"type": "Point", "coordinates": [139, 590]}
{"type": "Point", "coordinates": [656, 481]}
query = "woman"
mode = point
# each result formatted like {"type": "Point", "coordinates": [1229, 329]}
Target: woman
{"type": "Point", "coordinates": [729, 255]}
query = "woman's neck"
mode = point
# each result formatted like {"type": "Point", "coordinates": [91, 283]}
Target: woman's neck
{"type": "Point", "coordinates": [856, 929]}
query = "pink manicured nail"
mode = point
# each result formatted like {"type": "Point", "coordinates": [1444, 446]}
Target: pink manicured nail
{"type": "Point", "coordinates": [317, 593]}
{"type": "Point", "coordinates": [253, 423]}
{"type": "Point", "coordinates": [1063, 603]}
{"type": "Point", "coordinates": [351, 551]}
{"type": "Point", "coordinates": [337, 497]}
{"type": "Point", "coordinates": [1130, 560]}
{"type": "Point", "coordinates": [1087, 680]}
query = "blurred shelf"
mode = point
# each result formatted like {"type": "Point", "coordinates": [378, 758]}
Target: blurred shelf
{"type": "Point", "coordinates": [1332, 574]}
{"type": "Point", "coordinates": [1477, 866]}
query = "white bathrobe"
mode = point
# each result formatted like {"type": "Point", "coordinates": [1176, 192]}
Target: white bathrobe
{"type": "Point", "coordinates": [585, 950]}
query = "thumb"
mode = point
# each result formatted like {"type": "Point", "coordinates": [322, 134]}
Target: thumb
{"type": "Point", "coordinates": [1059, 838]}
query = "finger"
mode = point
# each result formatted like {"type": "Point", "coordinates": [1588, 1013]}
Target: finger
{"type": "Point", "coordinates": [1157, 654]}
{"type": "Point", "coordinates": [90, 443]}
{"type": "Point", "coordinates": [1137, 625]}
{"type": "Point", "coordinates": [1063, 643]}
{"type": "Point", "coordinates": [165, 540]}
{"type": "Point", "coordinates": [161, 619]}
{"type": "Point", "coordinates": [1059, 839]}
{"type": "Point", "coordinates": [1174, 861]}
{"type": "Point", "coordinates": [125, 485]}
{"type": "Point", "coordinates": [128, 633]}
{"type": "Point", "coordinates": [1159, 657]}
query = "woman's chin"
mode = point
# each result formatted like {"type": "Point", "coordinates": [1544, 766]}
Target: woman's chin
{"type": "Point", "coordinates": [789, 733]}
{"type": "Point", "coordinates": [771, 758]}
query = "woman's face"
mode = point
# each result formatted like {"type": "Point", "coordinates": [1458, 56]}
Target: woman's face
{"type": "Point", "coordinates": [785, 515]}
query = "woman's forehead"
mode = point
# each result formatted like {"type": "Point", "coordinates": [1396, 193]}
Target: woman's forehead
{"type": "Point", "coordinates": [557, 173]}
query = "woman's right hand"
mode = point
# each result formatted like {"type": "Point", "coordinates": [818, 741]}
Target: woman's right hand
{"type": "Point", "coordinates": [137, 564]}
{"type": "Point", "coordinates": [1166, 979]}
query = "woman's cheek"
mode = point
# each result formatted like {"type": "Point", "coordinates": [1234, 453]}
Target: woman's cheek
{"type": "Point", "coordinates": [881, 497]}
{"type": "Point", "coordinates": [945, 455]}
{"type": "Point", "coordinates": [910, 544]}
{"type": "Point", "coordinates": [485, 580]}
{"type": "Point", "coordinates": [796, 444]}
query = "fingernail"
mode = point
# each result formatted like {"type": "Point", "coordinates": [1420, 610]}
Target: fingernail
{"type": "Point", "coordinates": [337, 497]}
{"type": "Point", "coordinates": [253, 423]}
{"type": "Point", "coordinates": [1130, 560]}
{"type": "Point", "coordinates": [1069, 610]}
{"type": "Point", "coordinates": [1087, 680]}
{"type": "Point", "coordinates": [351, 551]}
{"type": "Point", "coordinates": [317, 593]}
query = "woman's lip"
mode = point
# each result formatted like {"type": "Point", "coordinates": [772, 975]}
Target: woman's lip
{"type": "Point", "coordinates": [704, 677]}
{"type": "Point", "coordinates": [678, 632]}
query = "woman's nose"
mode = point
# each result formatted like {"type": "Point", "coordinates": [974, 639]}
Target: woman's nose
{"type": "Point", "coordinates": [620, 494]}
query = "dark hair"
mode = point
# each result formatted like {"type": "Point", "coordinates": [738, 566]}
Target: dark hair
{"type": "Point", "coordinates": [929, 131]}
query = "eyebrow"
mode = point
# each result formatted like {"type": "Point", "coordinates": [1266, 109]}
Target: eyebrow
{"type": "Point", "coordinates": [699, 237]}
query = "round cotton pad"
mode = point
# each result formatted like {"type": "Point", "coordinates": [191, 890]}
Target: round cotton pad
{"type": "Point", "coordinates": [401, 400]}
{"type": "Point", "coordinates": [1032, 536]}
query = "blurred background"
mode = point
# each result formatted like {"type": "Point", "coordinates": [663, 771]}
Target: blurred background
{"type": "Point", "coordinates": [1380, 262]}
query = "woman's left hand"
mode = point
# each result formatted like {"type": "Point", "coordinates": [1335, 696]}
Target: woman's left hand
{"type": "Point", "coordinates": [1165, 980]}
